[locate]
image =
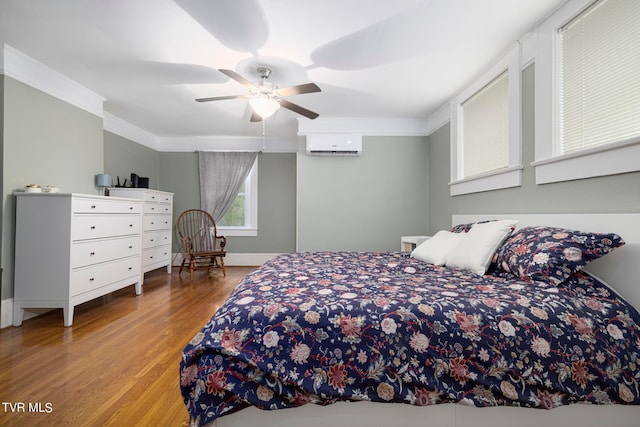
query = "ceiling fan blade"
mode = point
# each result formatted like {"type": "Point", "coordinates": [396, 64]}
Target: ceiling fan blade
{"type": "Point", "coordinates": [298, 109]}
{"type": "Point", "coordinates": [235, 76]}
{"type": "Point", "coordinates": [255, 117]}
{"type": "Point", "coordinates": [240, 26]}
{"type": "Point", "coordinates": [299, 89]}
{"type": "Point", "coordinates": [219, 98]}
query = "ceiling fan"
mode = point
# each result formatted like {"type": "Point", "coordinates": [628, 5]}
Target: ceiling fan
{"type": "Point", "coordinates": [265, 97]}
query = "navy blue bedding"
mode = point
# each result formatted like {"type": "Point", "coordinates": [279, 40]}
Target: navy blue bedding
{"type": "Point", "coordinates": [329, 326]}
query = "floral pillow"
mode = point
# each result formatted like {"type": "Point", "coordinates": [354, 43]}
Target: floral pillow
{"type": "Point", "coordinates": [551, 255]}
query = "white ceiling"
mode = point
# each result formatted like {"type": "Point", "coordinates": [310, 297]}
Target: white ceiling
{"type": "Point", "coordinates": [372, 58]}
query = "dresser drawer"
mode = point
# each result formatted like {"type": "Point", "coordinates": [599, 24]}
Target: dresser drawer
{"type": "Point", "coordinates": [99, 226]}
{"type": "Point", "coordinates": [157, 208]}
{"type": "Point", "coordinates": [90, 278]}
{"type": "Point", "coordinates": [156, 255]}
{"type": "Point", "coordinates": [157, 197]}
{"type": "Point", "coordinates": [90, 252]}
{"type": "Point", "coordinates": [157, 222]}
{"type": "Point", "coordinates": [82, 205]}
{"type": "Point", "coordinates": [152, 239]}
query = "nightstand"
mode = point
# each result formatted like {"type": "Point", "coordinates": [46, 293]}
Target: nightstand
{"type": "Point", "coordinates": [409, 243]}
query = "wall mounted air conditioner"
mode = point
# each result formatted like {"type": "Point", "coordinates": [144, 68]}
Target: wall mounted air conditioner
{"type": "Point", "coordinates": [334, 144]}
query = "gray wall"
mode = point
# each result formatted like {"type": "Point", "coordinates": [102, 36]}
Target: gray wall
{"type": "Point", "coordinates": [616, 193]}
{"type": "Point", "coordinates": [363, 203]}
{"type": "Point", "coordinates": [179, 175]}
{"type": "Point", "coordinates": [276, 199]}
{"type": "Point", "coordinates": [123, 156]}
{"type": "Point", "coordinates": [399, 186]}
{"type": "Point", "coordinates": [2, 78]}
{"type": "Point", "coordinates": [48, 142]}
{"type": "Point", "coordinates": [276, 207]}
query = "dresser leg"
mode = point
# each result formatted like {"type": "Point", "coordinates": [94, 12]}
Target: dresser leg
{"type": "Point", "coordinates": [139, 287]}
{"type": "Point", "coordinates": [169, 268]}
{"type": "Point", "coordinates": [67, 312]}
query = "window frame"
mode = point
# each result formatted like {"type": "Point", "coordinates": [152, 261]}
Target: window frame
{"type": "Point", "coordinates": [610, 159]}
{"type": "Point", "coordinates": [511, 176]}
{"type": "Point", "coordinates": [250, 228]}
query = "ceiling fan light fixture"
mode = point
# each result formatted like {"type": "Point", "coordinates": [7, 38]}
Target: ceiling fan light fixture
{"type": "Point", "coordinates": [264, 106]}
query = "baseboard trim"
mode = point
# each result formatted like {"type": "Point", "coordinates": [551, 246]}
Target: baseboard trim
{"type": "Point", "coordinates": [6, 311]}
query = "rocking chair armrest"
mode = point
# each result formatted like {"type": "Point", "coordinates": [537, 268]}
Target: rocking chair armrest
{"type": "Point", "coordinates": [223, 241]}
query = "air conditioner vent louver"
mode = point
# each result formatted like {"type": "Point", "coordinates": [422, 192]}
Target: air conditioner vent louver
{"type": "Point", "coordinates": [334, 144]}
{"type": "Point", "coordinates": [334, 153]}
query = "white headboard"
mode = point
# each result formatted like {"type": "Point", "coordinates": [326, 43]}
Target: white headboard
{"type": "Point", "coordinates": [620, 269]}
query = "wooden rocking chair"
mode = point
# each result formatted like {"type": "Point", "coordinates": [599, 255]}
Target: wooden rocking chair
{"type": "Point", "coordinates": [201, 245]}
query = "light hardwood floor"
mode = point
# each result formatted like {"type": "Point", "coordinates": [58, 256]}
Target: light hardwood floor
{"type": "Point", "coordinates": [118, 364]}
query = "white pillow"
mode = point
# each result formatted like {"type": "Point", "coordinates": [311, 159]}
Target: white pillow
{"type": "Point", "coordinates": [475, 250]}
{"type": "Point", "coordinates": [435, 250]}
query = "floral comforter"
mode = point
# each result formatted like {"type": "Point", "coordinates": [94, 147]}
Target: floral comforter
{"type": "Point", "coordinates": [322, 327]}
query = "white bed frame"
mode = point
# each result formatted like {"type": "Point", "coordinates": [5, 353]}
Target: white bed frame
{"type": "Point", "coordinates": [620, 269]}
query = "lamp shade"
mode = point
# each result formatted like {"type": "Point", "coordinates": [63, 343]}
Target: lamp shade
{"type": "Point", "coordinates": [264, 106]}
{"type": "Point", "coordinates": [103, 180]}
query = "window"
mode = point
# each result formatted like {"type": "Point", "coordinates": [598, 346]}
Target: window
{"type": "Point", "coordinates": [235, 216]}
{"type": "Point", "coordinates": [588, 91]}
{"type": "Point", "coordinates": [485, 131]}
{"type": "Point", "coordinates": [242, 217]}
{"type": "Point", "coordinates": [484, 128]}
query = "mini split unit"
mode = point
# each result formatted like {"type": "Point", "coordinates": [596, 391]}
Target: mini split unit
{"type": "Point", "coordinates": [334, 144]}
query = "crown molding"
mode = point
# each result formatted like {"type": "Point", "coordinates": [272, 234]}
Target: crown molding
{"type": "Point", "coordinates": [368, 126]}
{"type": "Point", "coordinates": [27, 70]}
{"type": "Point", "coordinates": [228, 143]}
{"type": "Point", "coordinates": [125, 129]}
{"type": "Point", "coordinates": [439, 118]}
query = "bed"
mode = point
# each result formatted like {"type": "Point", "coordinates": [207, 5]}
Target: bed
{"type": "Point", "coordinates": [438, 345]}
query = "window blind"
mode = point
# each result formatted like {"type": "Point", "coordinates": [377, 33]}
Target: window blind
{"type": "Point", "coordinates": [485, 128]}
{"type": "Point", "coordinates": [600, 76]}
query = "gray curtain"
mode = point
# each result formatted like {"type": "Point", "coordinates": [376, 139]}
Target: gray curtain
{"type": "Point", "coordinates": [221, 177]}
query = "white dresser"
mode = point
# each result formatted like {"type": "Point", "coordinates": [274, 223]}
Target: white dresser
{"type": "Point", "coordinates": [72, 248]}
{"type": "Point", "coordinates": [157, 225]}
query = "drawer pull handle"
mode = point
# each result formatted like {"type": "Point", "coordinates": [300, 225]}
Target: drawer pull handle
{"type": "Point", "coordinates": [130, 247]}
{"type": "Point", "coordinates": [151, 257]}
{"type": "Point", "coordinates": [153, 240]}
{"type": "Point", "coordinates": [130, 225]}
{"type": "Point", "coordinates": [91, 279]}
{"type": "Point", "coordinates": [153, 209]}
{"type": "Point", "coordinates": [130, 268]}
{"type": "Point", "coordinates": [93, 227]}
{"type": "Point", "coordinates": [130, 208]}
{"type": "Point", "coordinates": [92, 253]}
{"type": "Point", "coordinates": [93, 206]}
